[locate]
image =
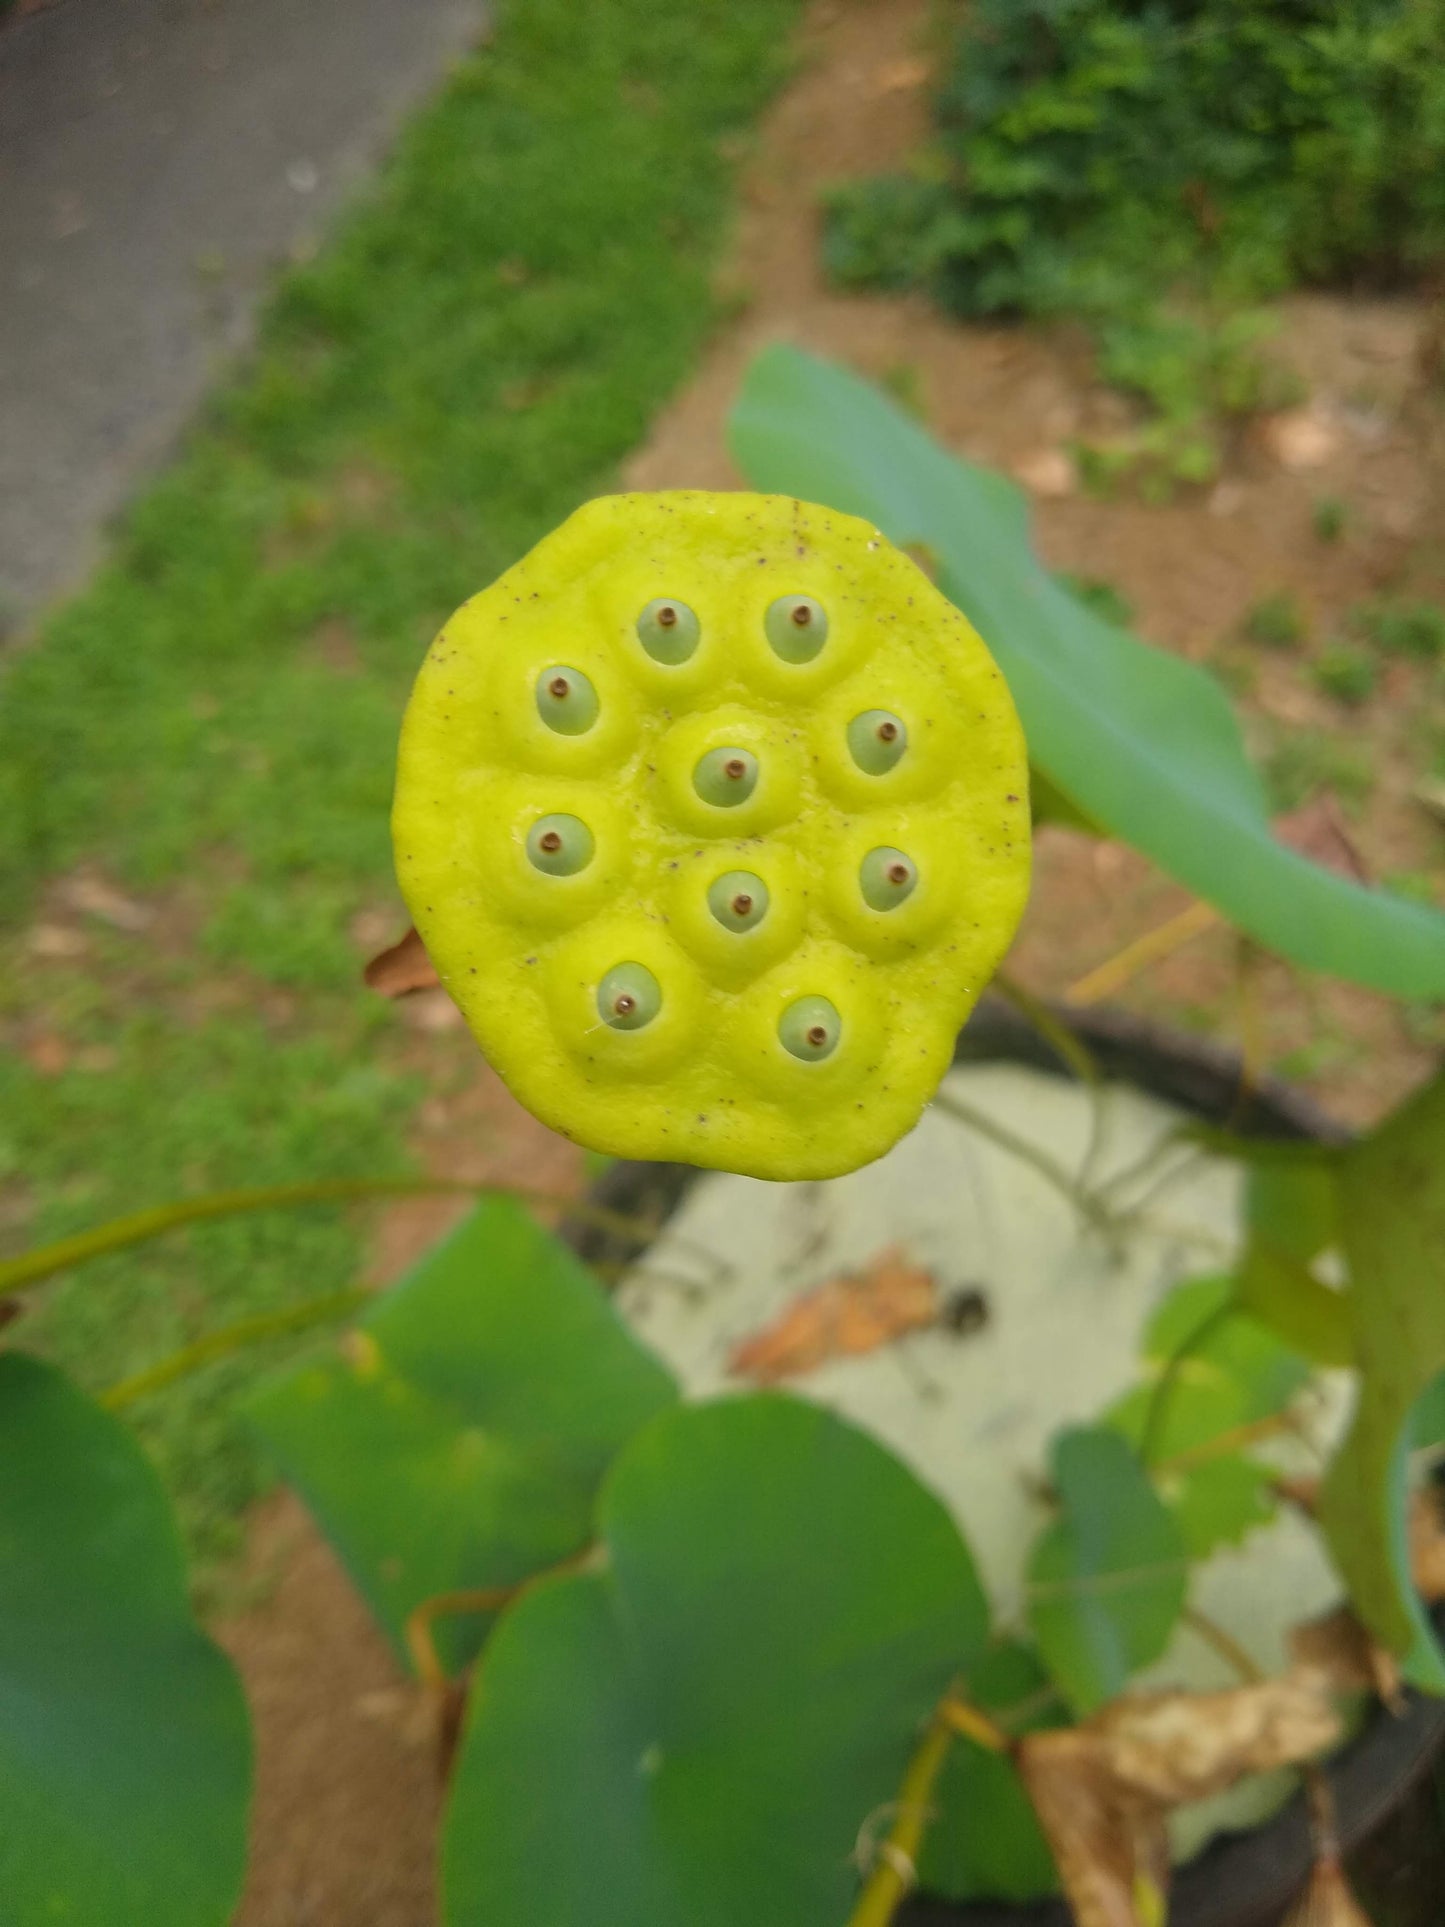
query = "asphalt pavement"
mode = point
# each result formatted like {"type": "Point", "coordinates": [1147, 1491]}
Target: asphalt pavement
{"type": "Point", "coordinates": [159, 161]}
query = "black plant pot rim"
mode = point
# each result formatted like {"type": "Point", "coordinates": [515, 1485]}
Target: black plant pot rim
{"type": "Point", "coordinates": [1241, 1879]}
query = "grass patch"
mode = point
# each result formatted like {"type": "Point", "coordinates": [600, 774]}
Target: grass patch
{"type": "Point", "coordinates": [467, 361]}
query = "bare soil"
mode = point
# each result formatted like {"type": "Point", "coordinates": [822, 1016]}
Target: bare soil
{"type": "Point", "coordinates": [348, 1798]}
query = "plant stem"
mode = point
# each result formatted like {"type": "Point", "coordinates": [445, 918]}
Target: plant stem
{"type": "Point", "coordinates": [1054, 1031]}
{"type": "Point", "coordinates": [960, 1716]}
{"type": "Point", "coordinates": [1073, 1051]}
{"type": "Point", "coordinates": [1224, 1643]}
{"type": "Point", "coordinates": [1152, 947]}
{"type": "Point", "coordinates": [233, 1338]}
{"type": "Point", "coordinates": [420, 1640]}
{"type": "Point", "coordinates": [17, 1274]}
{"type": "Point", "coordinates": [1224, 1443]}
{"type": "Point", "coordinates": [894, 1871]}
{"type": "Point", "coordinates": [1039, 1161]}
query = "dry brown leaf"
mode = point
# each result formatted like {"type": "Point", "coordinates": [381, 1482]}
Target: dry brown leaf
{"type": "Point", "coordinates": [1173, 1747]}
{"type": "Point", "coordinates": [1327, 1901]}
{"type": "Point", "coordinates": [844, 1318]}
{"type": "Point", "coordinates": [1339, 1646]}
{"type": "Point", "coordinates": [1110, 1847]}
{"type": "Point", "coordinates": [1102, 1790]}
{"type": "Point", "coordinates": [401, 969]}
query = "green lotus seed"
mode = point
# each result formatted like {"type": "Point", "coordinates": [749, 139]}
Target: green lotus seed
{"type": "Point", "coordinates": [668, 630]}
{"type": "Point", "coordinates": [810, 1029]}
{"type": "Point", "coordinates": [797, 627]}
{"type": "Point", "coordinates": [738, 899]}
{"type": "Point", "coordinates": [566, 700]}
{"type": "Point", "coordinates": [560, 845]}
{"type": "Point", "coordinates": [726, 777]}
{"type": "Point", "coordinates": [629, 996]}
{"type": "Point", "coordinates": [886, 876]}
{"type": "Point", "coordinates": [876, 740]}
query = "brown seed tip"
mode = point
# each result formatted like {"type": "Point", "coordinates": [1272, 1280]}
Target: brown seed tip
{"type": "Point", "coordinates": [735, 768]}
{"type": "Point", "coordinates": [888, 732]}
{"type": "Point", "coordinates": [667, 615]}
{"type": "Point", "coordinates": [551, 842]}
{"type": "Point", "coordinates": [559, 687]}
{"type": "Point", "coordinates": [802, 614]}
{"type": "Point", "coordinates": [742, 903]}
{"type": "Point", "coordinates": [817, 1036]}
{"type": "Point", "coordinates": [898, 873]}
{"type": "Point", "coordinates": [624, 1003]}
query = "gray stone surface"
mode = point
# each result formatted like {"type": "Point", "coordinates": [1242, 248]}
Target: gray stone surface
{"type": "Point", "coordinates": [158, 159]}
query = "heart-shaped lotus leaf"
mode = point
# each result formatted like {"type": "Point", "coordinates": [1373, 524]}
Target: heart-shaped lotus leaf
{"type": "Point", "coordinates": [125, 1757]}
{"type": "Point", "coordinates": [702, 1729]}
{"type": "Point", "coordinates": [458, 1437]}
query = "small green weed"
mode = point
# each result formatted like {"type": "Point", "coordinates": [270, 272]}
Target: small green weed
{"type": "Point", "coordinates": [1328, 518]}
{"type": "Point", "coordinates": [1400, 628]}
{"type": "Point", "coordinates": [1275, 621]}
{"type": "Point", "coordinates": [1349, 675]}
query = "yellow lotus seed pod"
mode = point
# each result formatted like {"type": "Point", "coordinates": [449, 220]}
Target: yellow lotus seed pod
{"type": "Point", "coordinates": [713, 816]}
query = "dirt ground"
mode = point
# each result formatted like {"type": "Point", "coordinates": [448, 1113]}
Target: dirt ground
{"type": "Point", "coordinates": [348, 1799]}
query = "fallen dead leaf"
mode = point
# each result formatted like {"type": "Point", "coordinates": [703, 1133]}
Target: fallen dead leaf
{"type": "Point", "coordinates": [1110, 1847]}
{"type": "Point", "coordinates": [845, 1317]}
{"type": "Point", "coordinates": [1173, 1747]}
{"type": "Point", "coordinates": [1102, 1790]}
{"type": "Point", "coordinates": [403, 968]}
{"type": "Point", "coordinates": [1338, 1645]}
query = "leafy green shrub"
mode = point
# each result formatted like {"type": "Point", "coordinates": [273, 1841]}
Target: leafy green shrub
{"type": "Point", "coordinates": [1090, 152]}
{"type": "Point", "coordinates": [1096, 158]}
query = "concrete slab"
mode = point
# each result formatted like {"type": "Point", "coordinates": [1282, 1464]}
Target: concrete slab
{"type": "Point", "coordinates": [158, 159]}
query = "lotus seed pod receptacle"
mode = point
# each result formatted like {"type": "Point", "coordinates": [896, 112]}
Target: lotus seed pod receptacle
{"type": "Point", "coordinates": [713, 816]}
